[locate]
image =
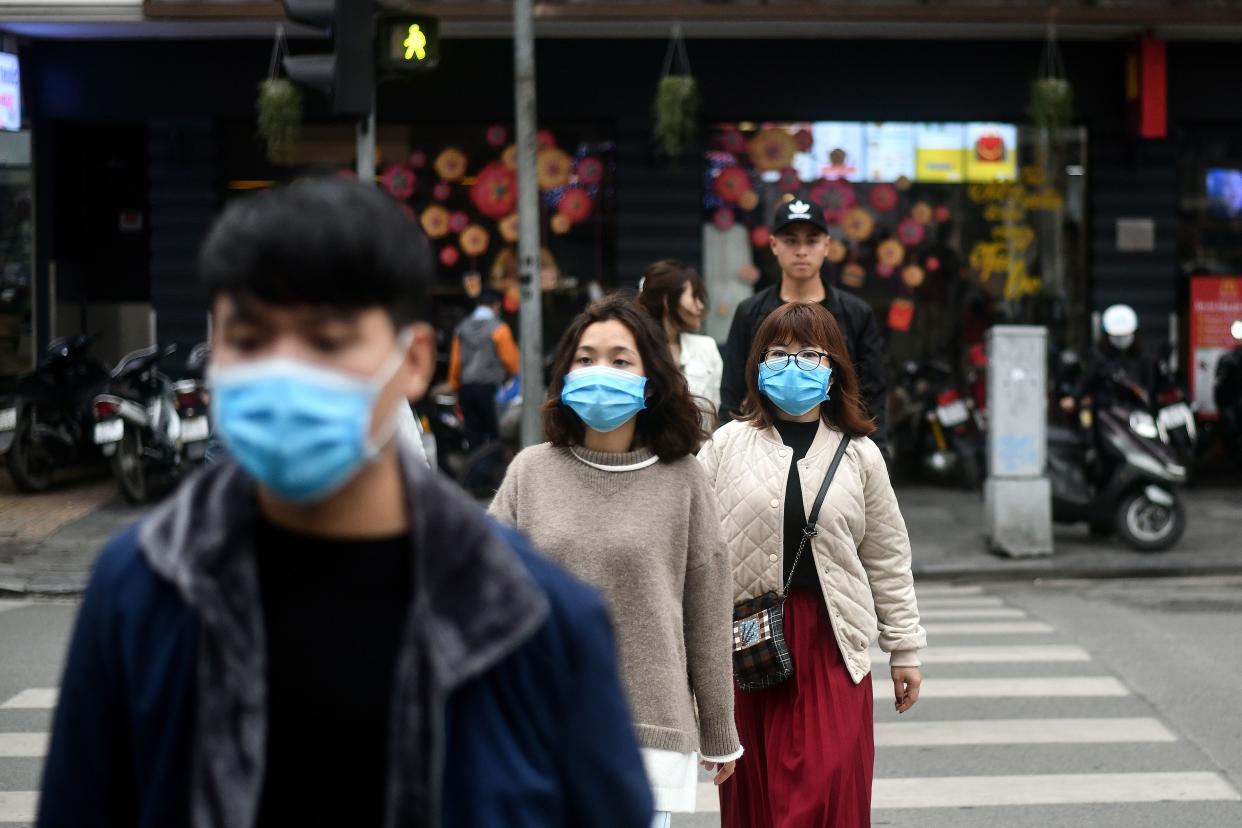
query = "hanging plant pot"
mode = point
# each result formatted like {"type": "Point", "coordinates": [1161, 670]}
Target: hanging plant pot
{"type": "Point", "coordinates": [279, 109]}
{"type": "Point", "coordinates": [1052, 103]}
{"type": "Point", "coordinates": [676, 114]}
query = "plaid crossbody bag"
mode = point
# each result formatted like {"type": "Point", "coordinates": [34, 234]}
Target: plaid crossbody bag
{"type": "Point", "coordinates": [761, 658]}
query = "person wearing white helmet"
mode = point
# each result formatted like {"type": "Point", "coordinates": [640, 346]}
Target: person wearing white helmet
{"type": "Point", "coordinates": [1118, 353]}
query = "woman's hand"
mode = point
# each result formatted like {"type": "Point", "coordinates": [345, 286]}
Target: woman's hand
{"type": "Point", "coordinates": [723, 770]}
{"type": "Point", "coordinates": [906, 683]}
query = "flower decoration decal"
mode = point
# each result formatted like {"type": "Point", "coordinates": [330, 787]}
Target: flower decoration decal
{"type": "Point", "coordinates": [590, 171]}
{"type": "Point", "coordinates": [554, 168]}
{"type": "Point", "coordinates": [575, 204]}
{"type": "Point", "coordinates": [891, 253]}
{"type": "Point", "coordinates": [731, 184]}
{"type": "Point", "coordinates": [883, 197]}
{"type": "Point", "coordinates": [451, 164]}
{"type": "Point", "coordinates": [399, 181]}
{"type": "Point", "coordinates": [911, 232]}
{"type": "Point", "coordinates": [857, 224]}
{"type": "Point", "coordinates": [495, 191]}
{"type": "Point", "coordinates": [474, 240]}
{"type": "Point", "coordinates": [772, 149]}
{"type": "Point", "coordinates": [435, 221]}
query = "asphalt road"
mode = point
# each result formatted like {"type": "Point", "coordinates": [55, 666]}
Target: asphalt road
{"type": "Point", "coordinates": [1083, 703]}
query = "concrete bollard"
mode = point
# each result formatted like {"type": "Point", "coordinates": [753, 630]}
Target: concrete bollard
{"type": "Point", "coordinates": [1017, 495]}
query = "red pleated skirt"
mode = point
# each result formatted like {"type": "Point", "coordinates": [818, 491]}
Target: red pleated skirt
{"type": "Point", "coordinates": [810, 741]}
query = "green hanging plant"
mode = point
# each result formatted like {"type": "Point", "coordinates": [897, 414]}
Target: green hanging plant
{"type": "Point", "coordinates": [676, 113]}
{"type": "Point", "coordinates": [1052, 103]}
{"type": "Point", "coordinates": [280, 117]}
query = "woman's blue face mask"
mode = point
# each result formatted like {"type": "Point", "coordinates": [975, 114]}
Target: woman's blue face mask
{"type": "Point", "coordinates": [604, 398]}
{"type": "Point", "coordinates": [793, 389]}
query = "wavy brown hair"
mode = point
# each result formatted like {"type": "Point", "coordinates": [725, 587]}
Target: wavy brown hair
{"type": "Point", "coordinates": [663, 283]}
{"type": "Point", "coordinates": [670, 425]}
{"type": "Point", "coordinates": [810, 324]}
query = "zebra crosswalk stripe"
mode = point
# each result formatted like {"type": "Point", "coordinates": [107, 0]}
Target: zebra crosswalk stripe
{"type": "Point", "coordinates": [988, 628]}
{"type": "Point", "coordinates": [998, 688]}
{"type": "Point", "coordinates": [1021, 732]}
{"type": "Point", "coordinates": [995, 654]}
{"type": "Point", "coordinates": [37, 698]}
{"type": "Point", "coordinates": [972, 614]}
{"type": "Point", "coordinates": [954, 602]}
{"type": "Point", "coordinates": [17, 806]}
{"type": "Point", "coordinates": [19, 745]}
{"type": "Point", "coordinates": [1049, 789]}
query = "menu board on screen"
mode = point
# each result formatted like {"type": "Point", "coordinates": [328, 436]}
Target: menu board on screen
{"type": "Point", "coordinates": [839, 150]}
{"type": "Point", "coordinates": [991, 152]}
{"type": "Point", "coordinates": [940, 153]}
{"type": "Point", "coordinates": [890, 151]}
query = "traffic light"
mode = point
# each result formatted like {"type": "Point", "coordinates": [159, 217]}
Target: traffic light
{"type": "Point", "coordinates": [347, 74]}
{"type": "Point", "coordinates": [406, 43]}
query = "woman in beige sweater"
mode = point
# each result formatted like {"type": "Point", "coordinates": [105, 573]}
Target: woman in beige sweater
{"type": "Point", "coordinates": [617, 498]}
{"type": "Point", "coordinates": [813, 733]}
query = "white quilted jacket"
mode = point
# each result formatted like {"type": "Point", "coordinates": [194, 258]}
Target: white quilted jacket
{"type": "Point", "coordinates": [862, 552]}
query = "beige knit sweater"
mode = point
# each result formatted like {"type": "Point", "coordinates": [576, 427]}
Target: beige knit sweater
{"type": "Point", "coordinates": [650, 541]}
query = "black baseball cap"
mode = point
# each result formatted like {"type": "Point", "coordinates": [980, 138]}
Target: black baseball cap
{"type": "Point", "coordinates": [799, 210]}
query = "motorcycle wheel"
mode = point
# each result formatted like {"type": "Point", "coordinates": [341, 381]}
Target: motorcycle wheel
{"type": "Point", "coordinates": [1147, 526]}
{"type": "Point", "coordinates": [129, 467]}
{"type": "Point", "coordinates": [970, 468]}
{"type": "Point", "coordinates": [30, 469]}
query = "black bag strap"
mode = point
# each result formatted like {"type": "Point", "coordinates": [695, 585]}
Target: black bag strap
{"type": "Point", "coordinates": [811, 529]}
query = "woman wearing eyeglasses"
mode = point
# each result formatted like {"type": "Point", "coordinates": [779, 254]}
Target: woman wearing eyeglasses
{"type": "Point", "coordinates": [810, 733]}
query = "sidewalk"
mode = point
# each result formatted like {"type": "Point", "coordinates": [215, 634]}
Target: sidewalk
{"type": "Point", "coordinates": [946, 533]}
{"type": "Point", "coordinates": [48, 543]}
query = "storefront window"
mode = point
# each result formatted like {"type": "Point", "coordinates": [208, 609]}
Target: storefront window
{"type": "Point", "coordinates": [16, 255]}
{"type": "Point", "coordinates": [945, 229]}
{"type": "Point", "coordinates": [460, 184]}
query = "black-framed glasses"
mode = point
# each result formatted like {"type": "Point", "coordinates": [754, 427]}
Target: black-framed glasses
{"type": "Point", "coordinates": [806, 360]}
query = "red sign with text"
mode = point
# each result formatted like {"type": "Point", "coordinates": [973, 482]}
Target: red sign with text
{"type": "Point", "coordinates": [1215, 303]}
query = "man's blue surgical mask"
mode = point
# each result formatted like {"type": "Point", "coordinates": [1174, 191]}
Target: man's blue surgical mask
{"type": "Point", "coordinates": [605, 398]}
{"type": "Point", "coordinates": [300, 430]}
{"type": "Point", "coordinates": [794, 390]}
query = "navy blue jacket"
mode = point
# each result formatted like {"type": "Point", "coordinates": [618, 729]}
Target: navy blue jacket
{"type": "Point", "coordinates": [161, 717]}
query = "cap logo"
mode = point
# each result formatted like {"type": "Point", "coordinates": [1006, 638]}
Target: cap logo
{"type": "Point", "coordinates": [800, 208]}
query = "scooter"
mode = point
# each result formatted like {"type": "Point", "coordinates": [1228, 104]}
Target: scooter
{"type": "Point", "coordinates": [479, 469]}
{"type": "Point", "coordinates": [154, 430]}
{"type": "Point", "coordinates": [1175, 419]}
{"type": "Point", "coordinates": [1115, 474]}
{"type": "Point", "coordinates": [938, 429]}
{"type": "Point", "coordinates": [48, 424]}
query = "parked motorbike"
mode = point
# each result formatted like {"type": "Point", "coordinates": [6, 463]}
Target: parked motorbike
{"type": "Point", "coordinates": [937, 429]}
{"type": "Point", "coordinates": [48, 424]}
{"type": "Point", "coordinates": [1114, 473]}
{"type": "Point", "coordinates": [478, 469]}
{"type": "Point", "coordinates": [1175, 419]}
{"type": "Point", "coordinates": [1227, 393]}
{"type": "Point", "coordinates": [154, 429]}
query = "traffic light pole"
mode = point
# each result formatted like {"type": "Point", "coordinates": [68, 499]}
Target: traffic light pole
{"type": "Point", "coordinates": [365, 148]}
{"type": "Point", "coordinates": [531, 322]}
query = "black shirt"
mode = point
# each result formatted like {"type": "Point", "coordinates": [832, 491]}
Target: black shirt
{"type": "Point", "coordinates": [333, 612]}
{"type": "Point", "coordinates": [799, 437]}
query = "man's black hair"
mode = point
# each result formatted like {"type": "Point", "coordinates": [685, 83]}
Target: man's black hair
{"type": "Point", "coordinates": [489, 297]}
{"type": "Point", "coordinates": [324, 242]}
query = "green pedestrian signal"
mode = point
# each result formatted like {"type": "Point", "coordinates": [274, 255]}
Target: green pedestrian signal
{"type": "Point", "coordinates": [406, 43]}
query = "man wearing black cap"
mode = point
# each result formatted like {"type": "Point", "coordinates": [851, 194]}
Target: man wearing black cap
{"type": "Point", "coordinates": [800, 244]}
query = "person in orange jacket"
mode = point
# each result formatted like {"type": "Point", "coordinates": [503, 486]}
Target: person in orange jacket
{"type": "Point", "coordinates": [483, 357]}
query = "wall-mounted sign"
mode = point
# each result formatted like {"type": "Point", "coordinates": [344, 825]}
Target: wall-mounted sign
{"type": "Point", "coordinates": [1136, 235]}
{"type": "Point", "coordinates": [10, 92]}
{"type": "Point", "coordinates": [1215, 304]}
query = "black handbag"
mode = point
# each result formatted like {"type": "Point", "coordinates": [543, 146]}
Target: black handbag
{"type": "Point", "coordinates": [761, 657]}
